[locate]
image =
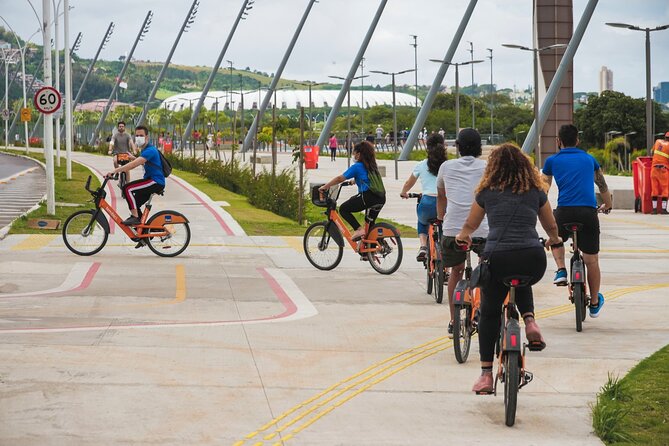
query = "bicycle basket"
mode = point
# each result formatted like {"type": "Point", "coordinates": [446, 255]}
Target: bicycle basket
{"type": "Point", "coordinates": [316, 198]}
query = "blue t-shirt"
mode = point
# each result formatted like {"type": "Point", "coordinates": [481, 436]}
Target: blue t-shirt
{"type": "Point", "coordinates": [153, 167]}
{"type": "Point", "coordinates": [574, 173]}
{"type": "Point", "coordinates": [358, 172]}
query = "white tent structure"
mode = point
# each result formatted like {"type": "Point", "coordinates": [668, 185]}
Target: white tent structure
{"type": "Point", "coordinates": [286, 99]}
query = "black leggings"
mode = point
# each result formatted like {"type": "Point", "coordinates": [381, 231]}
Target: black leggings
{"type": "Point", "coordinates": [525, 262]}
{"type": "Point", "coordinates": [359, 203]}
{"type": "Point", "coordinates": [333, 153]}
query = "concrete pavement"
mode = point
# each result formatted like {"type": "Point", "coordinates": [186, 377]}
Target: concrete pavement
{"type": "Point", "coordinates": [240, 341]}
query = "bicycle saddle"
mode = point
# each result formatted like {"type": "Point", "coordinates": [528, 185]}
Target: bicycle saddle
{"type": "Point", "coordinates": [432, 221]}
{"type": "Point", "coordinates": [573, 226]}
{"type": "Point", "coordinates": [517, 281]}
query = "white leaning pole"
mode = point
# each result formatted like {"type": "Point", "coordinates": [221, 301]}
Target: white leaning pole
{"type": "Point", "coordinates": [48, 119]}
{"type": "Point", "coordinates": [57, 78]}
{"type": "Point", "coordinates": [68, 94]}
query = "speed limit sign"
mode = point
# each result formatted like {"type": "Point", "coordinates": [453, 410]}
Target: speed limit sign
{"type": "Point", "coordinates": [47, 100]}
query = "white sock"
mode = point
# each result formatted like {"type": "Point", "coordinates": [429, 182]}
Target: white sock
{"type": "Point", "coordinates": [654, 204]}
{"type": "Point", "coordinates": [664, 205]}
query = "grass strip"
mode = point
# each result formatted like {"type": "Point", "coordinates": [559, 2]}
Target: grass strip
{"type": "Point", "coordinates": [67, 191]}
{"type": "Point", "coordinates": [635, 409]}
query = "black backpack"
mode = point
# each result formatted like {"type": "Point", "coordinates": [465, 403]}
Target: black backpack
{"type": "Point", "coordinates": [166, 167]}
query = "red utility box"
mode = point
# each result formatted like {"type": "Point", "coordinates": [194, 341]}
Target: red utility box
{"type": "Point", "coordinates": [311, 157]}
{"type": "Point", "coordinates": [642, 190]}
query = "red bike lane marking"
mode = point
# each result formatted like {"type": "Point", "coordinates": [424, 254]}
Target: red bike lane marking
{"type": "Point", "coordinates": [216, 215]}
{"type": "Point", "coordinates": [290, 309]}
{"type": "Point", "coordinates": [84, 283]}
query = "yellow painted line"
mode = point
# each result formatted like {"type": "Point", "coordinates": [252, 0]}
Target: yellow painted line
{"type": "Point", "coordinates": [295, 243]}
{"type": "Point", "coordinates": [381, 371]}
{"type": "Point", "coordinates": [180, 285]}
{"type": "Point", "coordinates": [638, 223]}
{"type": "Point", "coordinates": [34, 242]}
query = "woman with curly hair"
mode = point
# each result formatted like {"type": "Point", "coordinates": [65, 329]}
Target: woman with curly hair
{"type": "Point", "coordinates": [512, 195]}
{"type": "Point", "coordinates": [426, 171]}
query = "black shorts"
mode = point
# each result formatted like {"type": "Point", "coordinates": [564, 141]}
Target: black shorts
{"type": "Point", "coordinates": [453, 257]}
{"type": "Point", "coordinates": [588, 236]}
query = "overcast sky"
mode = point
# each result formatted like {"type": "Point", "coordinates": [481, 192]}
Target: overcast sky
{"type": "Point", "coordinates": [334, 29]}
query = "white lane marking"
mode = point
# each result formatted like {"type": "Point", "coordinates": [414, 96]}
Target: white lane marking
{"type": "Point", "coordinates": [296, 306]}
{"type": "Point", "coordinates": [74, 279]}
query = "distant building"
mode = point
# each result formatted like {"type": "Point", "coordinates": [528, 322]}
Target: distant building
{"type": "Point", "coordinates": [99, 105]}
{"type": "Point", "coordinates": [661, 93]}
{"type": "Point", "coordinates": [605, 80]}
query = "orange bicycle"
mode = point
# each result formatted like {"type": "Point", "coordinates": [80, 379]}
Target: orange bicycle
{"type": "Point", "coordinates": [437, 274]}
{"type": "Point", "coordinates": [324, 240]}
{"type": "Point", "coordinates": [85, 233]}
{"type": "Point", "coordinates": [467, 302]}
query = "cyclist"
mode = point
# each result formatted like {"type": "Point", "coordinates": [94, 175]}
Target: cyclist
{"type": "Point", "coordinates": [456, 182]}
{"type": "Point", "coordinates": [574, 171]}
{"type": "Point", "coordinates": [137, 192]}
{"type": "Point", "coordinates": [426, 171]}
{"type": "Point", "coordinates": [659, 174]}
{"type": "Point", "coordinates": [511, 193]}
{"type": "Point", "coordinates": [371, 193]}
{"type": "Point", "coordinates": [119, 143]}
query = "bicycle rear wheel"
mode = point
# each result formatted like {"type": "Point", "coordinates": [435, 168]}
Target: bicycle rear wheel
{"type": "Point", "coordinates": [179, 234]}
{"type": "Point", "coordinates": [428, 269]}
{"type": "Point", "coordinates": [578, 294]}
{"type": "Point", "coordinates": [83, 234]}
{"type": "Point", "coordinates": [462, 333]}
{"type": "Point", "coordinates": [511, 383]}
{"type": "Point", "coordinates": [319, 247]}
{"type": "Point", "coordinates": [438, 275]}
{"type": "Point", "coordinates": [388, 257]}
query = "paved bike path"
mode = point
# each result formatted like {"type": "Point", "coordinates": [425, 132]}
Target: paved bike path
{"type": "Point", "coordinates": [241, 341]}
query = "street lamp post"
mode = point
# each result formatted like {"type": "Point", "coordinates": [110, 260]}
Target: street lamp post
{"type": "Point", "coordinates": [471, 53]}
{"type": "Point", "coordinates": [392, 75]}
{"type": "Point", "coordinates": [492, 101]}
{"type": "Point", "coordinates": [457, 88]}
{"type": "Point", "coordinates": [348, 116]}
{"type": "Point", "coordinates": [535, 60]}
{"type": "Point", "coordinates": [310, 84]}
{"type": "Point", "coordinates": [627, 161]}
{"type": "Point", "coordinates": [649, 102]}
{"type": "Point", "coordinates": [415, 64]}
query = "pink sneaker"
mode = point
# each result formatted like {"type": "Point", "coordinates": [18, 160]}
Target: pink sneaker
{"type": "Point", "coordinates": [483, 384]}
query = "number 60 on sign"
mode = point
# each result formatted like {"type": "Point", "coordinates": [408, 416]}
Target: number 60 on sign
{"type": "Point", "coordinates": [47, 100]}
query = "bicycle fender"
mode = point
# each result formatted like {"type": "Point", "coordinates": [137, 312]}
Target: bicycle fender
{"type": "Point", "coordinates": [577, 272]}
{"type": "Point", "coordinates": [512, 339]}
{"type": "Point", "coordinates": [334, 232]}
{"type": "Point", "coordinates": [102, 220]}
{"type": "Point", "coordinates": [380, 231]}
{"type": "Point", "coordinates": [460, 293]}
{"type": "Point", "coordinates": [169, 217]}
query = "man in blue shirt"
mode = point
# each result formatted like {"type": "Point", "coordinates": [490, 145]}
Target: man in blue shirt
{"type": "Point", "coordinates": [136, 193]}
{"type": "Point", "coordinates": [575, 171]}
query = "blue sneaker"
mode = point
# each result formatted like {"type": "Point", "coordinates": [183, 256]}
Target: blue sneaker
{"type": "Point", "coordinates": [595, 309]}
{"type": "Point", "coordinates": [560, 277]}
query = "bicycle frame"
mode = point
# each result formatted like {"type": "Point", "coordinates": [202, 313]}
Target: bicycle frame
{"type": "Point", "coordinates": [156, 229]}
{"type": "Point", "coordinates": [577, 274]}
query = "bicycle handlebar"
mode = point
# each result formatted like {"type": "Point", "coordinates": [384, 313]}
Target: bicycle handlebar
{"type": "Point", "coordinates": [414, 195]}
{"type": "Point", "coordinates": [88, 185]}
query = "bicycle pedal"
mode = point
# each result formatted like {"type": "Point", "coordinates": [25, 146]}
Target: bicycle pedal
{"type": "Point", "coordinates": [525, 379]}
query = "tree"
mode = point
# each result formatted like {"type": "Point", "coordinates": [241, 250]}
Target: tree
{"type": "Point", "coordinates": [614, 111]}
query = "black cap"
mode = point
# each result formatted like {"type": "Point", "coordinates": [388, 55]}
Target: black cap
{"type": "Point", "coordinates": [469, 137]}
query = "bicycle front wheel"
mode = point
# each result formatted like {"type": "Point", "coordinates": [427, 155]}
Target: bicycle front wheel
{"type": "Point", "coordinates": [177, 239]}
{"type": "Point", "coordinates": [578, 294]}
{"type": "Point", "coordinates": [83, 234]}
{"type": "Point", "coordinates": [388, 256]}
{"type": "Point", "coordinates": [122, 180]}
{"type": "Point", "coordinates": [511, 384]}
{"type": "Point", "coordinates": [319, 247]}
{"type": "Point", "coordinates": [462, 333]}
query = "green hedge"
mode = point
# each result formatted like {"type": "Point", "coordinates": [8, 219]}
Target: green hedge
{"type": "Point", "coordinates": [277, 194]}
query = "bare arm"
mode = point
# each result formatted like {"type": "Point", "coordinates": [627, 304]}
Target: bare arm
{"type": "Point", "coordinates": [473, 221]}
{"type": "Point", "coordinates": [600, 181]}
{"type": "Point", "coordinates": [131, 165]}
{"type": "Point", "coordinates": [441, 203]}
{"type": "Point", "coordinates": [549, 224]}
{"type": "Point", "coordinates": [409, 183]}
{"type": "Point", "coordinates": [548, 179]}
{"type": "Point", "coordinates": [336, 180]}
{"type": "Point", "coordinates": [111, 145]}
